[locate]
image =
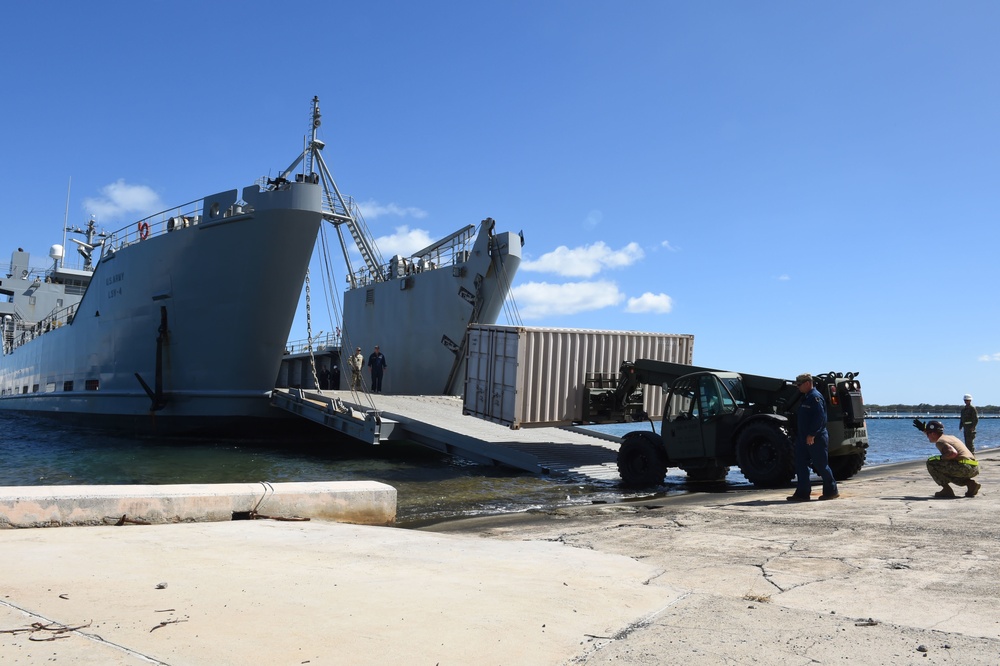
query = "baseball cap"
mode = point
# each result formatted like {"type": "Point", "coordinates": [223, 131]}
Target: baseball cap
{"type": "Point", "coordinates": [967, 397]}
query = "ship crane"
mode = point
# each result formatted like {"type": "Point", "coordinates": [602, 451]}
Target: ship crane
{"type": "Point", "coordinates": [339, 210]}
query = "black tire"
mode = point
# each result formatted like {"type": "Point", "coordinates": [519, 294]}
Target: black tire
{"type": "Point", "coordinates": [765, 455]}
{"type": "Point", "coordinates": [844, 467]}
{"type": "Point", "coordinates": [641, 462]}
{"type": "Point", "coordinates": [713, 474]}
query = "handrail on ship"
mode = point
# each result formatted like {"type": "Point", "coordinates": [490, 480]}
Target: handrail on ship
{"type": "Point", "coordinates": [447, 252]}
{"type": "Point", "coordinates": [31, 330]}
{"type": "Point", "coordinates": [165, 221]}
{"type": "Point", "coordinates": [321, 342]}
{"type": "Point", "coordinates": [157, 224]}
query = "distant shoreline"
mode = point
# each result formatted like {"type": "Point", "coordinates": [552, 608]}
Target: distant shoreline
{"type": "Point", "coordinates": [922, 416]}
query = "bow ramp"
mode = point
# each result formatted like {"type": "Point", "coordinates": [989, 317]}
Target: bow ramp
{"type": "Point", "coordinates": [437, 422]}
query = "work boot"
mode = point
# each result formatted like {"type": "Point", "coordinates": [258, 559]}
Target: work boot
{"type": "Point", "coordinates": [973, 488]}
{"type": "Point", "coordinates": [945, 493]}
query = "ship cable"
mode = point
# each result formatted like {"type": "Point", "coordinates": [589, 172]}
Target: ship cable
{"type": "Point", "coordinates": [345, 341]}
{"type": "Point", "coordinates": [503, 278]}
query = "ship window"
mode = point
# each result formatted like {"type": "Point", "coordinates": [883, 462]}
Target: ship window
{"type": "Point", "coordinates": [50, 387]}
{"type": "Point", "coordinates": [24, 390]}
{"type": "Point", "coordinates": [92, 384]}
{"type": "Point", "coordinates": [68, 386]}
{"type": "Point", "coordinates": [34, 388]}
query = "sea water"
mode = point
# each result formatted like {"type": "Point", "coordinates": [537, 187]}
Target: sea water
{"type": "Point", "coordinates": [430, 486]}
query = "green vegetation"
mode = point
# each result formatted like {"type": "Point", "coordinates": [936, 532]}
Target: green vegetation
{"type": "Point", "coordinates": [925, 408]}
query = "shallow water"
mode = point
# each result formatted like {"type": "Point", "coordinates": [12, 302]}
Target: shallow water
{"type": "Point", "coordinates": [430, 486]}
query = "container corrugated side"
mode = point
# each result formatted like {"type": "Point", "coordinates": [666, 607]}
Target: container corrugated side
{"type": "Point", "coordinates": [525, 376]}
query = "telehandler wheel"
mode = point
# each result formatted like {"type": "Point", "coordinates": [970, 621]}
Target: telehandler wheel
{"type": "Point", "coordinates": [641, 464]}
{"type": "Point", "coordinates": [844, 467]}
{"type": "Point", "coordinates": [765, 455]}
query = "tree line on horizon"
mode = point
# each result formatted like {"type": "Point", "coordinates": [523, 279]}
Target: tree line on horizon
{"type": "Point", "coordinates": [932, 409]}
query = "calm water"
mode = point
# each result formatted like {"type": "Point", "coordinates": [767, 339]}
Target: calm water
{"type": "Point", "coordinates": [430, 486]}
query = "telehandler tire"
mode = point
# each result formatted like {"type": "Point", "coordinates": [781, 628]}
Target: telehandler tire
{"type": "Point", "coordinates": [844, 467]}
{"type": "Point", "coordinates": [765, 455]}
{"type": "Point", "coordinates": [641, 463]}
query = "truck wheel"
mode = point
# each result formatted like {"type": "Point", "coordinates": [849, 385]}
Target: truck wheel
{"type": "Point", "coordinates": [640, 462]}
{"type": "Point", "coordinates": [844, 467]}
{"type": "Point", "coordinates": [712, 474]}
{"type": "Point", "coordinates": [764, 454]}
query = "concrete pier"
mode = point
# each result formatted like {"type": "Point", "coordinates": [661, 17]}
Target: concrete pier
{"type": "Point", "coordinates": [884, 575]}
{"type": "Point", "coordinates": [358, 502]}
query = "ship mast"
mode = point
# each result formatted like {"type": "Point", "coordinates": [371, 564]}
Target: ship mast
{"type": "Point", "coordinates": [340, 211]}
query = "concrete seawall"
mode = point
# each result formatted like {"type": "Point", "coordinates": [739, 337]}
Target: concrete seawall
{"type": "Point", "coordinates": [358, 502]}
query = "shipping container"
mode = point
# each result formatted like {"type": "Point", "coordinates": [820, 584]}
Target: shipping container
{"type": "Point", "coordinates": [523, 376]}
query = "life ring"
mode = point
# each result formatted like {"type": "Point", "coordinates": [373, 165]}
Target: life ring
{"type": "Point", "coordinates": [143, 230]}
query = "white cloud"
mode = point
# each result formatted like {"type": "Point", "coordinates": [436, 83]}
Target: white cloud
{"type": "Point", "coordinates": [404, 242]}
{"type": "Point", "coordinates": [667, 246]}
{"type": "Point", "coordinates": [536, 300]}
{"type": "Point", "coordinates": [586, 261]}
{"type": "Point", "coordinates": [371, 210]}
{"type": "Point", "coordinates": [650, 302]}
{"type": "Point", "coordinates": [119, 199]}
{"type": "Point", "coordinates": [990, 357]}
{"type": "Point", "coordinates": [784, 278]}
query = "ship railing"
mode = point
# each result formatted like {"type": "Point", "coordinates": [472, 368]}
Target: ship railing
{"type": "Point", "coordinates": [449, 251]}
{"type": "Point", "coordinates": [167, 221]}
{"type": "Point", "coordinates": [26, 331]}
{"type": "Point", "coordinates": [320, 343]}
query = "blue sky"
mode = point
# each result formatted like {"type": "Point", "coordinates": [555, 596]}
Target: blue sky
{"type": "Point", "coordinates": [802, 186]}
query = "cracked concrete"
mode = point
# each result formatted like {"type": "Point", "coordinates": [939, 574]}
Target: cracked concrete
{"type": "Point", "coordinates": [884, 575]}
{"type": "Point", "coordinates": [870, 577]}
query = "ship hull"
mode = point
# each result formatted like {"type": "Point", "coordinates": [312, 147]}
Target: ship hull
{"type": "Point", "coordinates": [203, 312]}
{"type": "Point", "coordinates": [419, 321]}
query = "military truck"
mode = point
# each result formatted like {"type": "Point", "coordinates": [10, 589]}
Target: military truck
{"type": "Point", "coordinates": [714, 419]}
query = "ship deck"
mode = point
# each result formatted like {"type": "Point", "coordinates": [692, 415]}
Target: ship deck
{"type": "Point", "coordinates": [437, 422]}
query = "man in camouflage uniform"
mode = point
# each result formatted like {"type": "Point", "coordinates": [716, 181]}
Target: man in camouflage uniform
{"type": "Point", "coordinates": [356, 362]}
{"type": "Point", "coordinates": [956, 464]}
{"type": "Point", "coordinates": [968, 422]}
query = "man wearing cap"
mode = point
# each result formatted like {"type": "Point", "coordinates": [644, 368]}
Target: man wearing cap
{"type": "Point", "coordinates": [968, 422]}
{"type": "Point", "coordinates": [812, 443]}
{"type": "Point", "coordinates": [956, 464]}
{"type": "Point", "coordinates": [377, 365]}
{"type": "Point", "coordinates": [356, 362]}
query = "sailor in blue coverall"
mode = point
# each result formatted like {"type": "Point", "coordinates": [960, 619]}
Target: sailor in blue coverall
{"type": "Point", "coordinates": [812, 443]}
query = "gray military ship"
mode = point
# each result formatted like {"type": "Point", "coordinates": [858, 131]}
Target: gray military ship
{"type": "Point", "coordinates": [175, 326]}
{"type": "Point", "coordinates": [178, 323]}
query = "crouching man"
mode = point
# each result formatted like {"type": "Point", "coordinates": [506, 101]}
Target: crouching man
{"type": "Point", "coordinates": [956, 464]}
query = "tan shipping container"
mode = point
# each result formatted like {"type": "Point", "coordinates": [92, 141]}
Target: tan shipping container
{"type": "Point", "coordinates": [522, 376]}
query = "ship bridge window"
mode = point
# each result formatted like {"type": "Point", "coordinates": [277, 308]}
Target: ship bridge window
{"type": "Point", "coordinates": [92, 384]}
{"type": "Point", "coordinates": [68, 385]}
{"type": "Point", "coordinates": [34, 388]}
